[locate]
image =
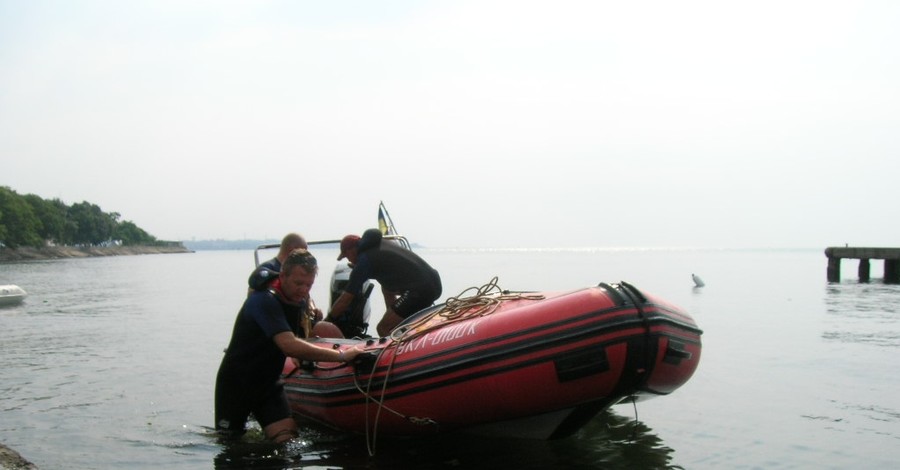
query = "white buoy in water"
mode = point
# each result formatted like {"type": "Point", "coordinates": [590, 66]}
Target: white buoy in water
{"type": "Point", "coordinates": [697, 281]}
{"type": "Point", "coordinates": [11, 294]}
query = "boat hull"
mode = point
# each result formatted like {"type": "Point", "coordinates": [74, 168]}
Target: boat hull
{"type": "Point", "coordinates": [11, 295]}
{"type": "Point", "coordinates": [537, 365]}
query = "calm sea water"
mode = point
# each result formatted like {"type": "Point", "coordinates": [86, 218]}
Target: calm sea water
{"type": "Point", "coordinates": [110, 363]}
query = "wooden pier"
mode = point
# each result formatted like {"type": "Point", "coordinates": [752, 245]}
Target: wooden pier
{"type": "Point", "coordinates": [891, 257]}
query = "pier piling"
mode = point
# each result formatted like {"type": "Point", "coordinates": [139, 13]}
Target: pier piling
{"type": "Point", "coordinates": [891, 257]}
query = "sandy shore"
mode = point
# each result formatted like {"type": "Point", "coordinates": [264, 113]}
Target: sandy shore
{"type": "Point", "coordinates": [11, 460]}
{"type": "Point", "coordinates": [54, 252]}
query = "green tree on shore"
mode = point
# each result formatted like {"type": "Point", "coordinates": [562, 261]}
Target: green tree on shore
{"type": "Point", "coordinates": [19, 226]}
{"type": "Point", "coordinates": [53, 217]}
{"type": "Point", "coordinates": [30, 220]}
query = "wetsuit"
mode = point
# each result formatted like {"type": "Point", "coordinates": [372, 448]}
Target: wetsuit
{"type": "Point", "coordinates": [249, 375]}
{"type": "Point", "coordinates": [264, 274]}
{"type": "Point", "coordinates": [400, 271]}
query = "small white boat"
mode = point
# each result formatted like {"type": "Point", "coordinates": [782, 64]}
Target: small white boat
{"type": "Point", "coordinates": [11, 295]}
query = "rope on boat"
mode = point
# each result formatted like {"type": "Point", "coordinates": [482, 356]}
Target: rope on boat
{"type": "Point", "coordinates": [483, 302]}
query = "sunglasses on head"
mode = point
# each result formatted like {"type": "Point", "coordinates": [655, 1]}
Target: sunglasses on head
{"type": "Point", "coordinates": [302, 257]}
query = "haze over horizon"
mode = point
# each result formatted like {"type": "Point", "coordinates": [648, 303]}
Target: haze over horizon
{"type": "Point", "coordinates": [478, 123]}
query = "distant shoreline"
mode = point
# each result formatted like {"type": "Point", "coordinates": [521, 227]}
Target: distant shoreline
{"type": "Point", "coordinates": [57, 252]}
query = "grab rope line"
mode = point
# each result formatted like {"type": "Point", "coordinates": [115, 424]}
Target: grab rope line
{"type": "Point", "coordinates": [483, 302]}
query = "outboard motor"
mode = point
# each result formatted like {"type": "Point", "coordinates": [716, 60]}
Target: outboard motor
{"type": "Point", "coordinates": [355, 321]}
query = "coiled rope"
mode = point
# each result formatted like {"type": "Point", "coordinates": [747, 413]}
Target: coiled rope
{"type": "Point", "coordinates": [483, 302]}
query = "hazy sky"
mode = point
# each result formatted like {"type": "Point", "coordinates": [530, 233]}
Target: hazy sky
{"type": "Point", "coordinates": [478, 123]}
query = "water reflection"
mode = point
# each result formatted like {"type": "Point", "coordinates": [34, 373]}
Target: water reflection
{"type": "Point", "coordinates": [861, 313]}
{"type": "Point", "coordinates": [608, 441]}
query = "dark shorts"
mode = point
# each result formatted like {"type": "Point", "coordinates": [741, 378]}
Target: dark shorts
{"type": "Point", "coordinates": [234, 409]}
{"type": "Point", "coordinates": [411, 302]}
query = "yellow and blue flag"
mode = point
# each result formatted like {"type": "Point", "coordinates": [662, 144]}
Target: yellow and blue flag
{"type": "Point", "coordinates": [385, 224]}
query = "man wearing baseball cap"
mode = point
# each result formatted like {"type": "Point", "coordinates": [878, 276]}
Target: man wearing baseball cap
{"type": "Point", "coordinates": [350, 242]}
{"type": "Point", "coordinates": [409, 284]}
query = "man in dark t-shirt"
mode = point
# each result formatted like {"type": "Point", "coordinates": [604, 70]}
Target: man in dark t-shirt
{"type": "Point", "coordinates": [408, 283]}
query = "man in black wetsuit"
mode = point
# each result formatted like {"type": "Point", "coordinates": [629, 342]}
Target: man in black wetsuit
{"type": "Point", "coordinates": [267, 271]}
{"type": "Point", "coordinates": [408, 283]}
{"type": "Point", "coordinates": [267, 330]}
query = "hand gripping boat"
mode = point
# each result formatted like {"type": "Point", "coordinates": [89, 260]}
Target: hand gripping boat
{"type": "Point", "coordinates": [519, 364]}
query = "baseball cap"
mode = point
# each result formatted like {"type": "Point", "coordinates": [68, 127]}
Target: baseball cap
{"type": "Point", "coordinates": [348, 242]}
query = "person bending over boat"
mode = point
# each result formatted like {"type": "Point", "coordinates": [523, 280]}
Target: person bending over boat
{"type": "Point", "coordinates": [408, 283]}
{"type": "Point", "coordinates": [267, 271]}
{"type": "Point", "coordinates": [268, 329]}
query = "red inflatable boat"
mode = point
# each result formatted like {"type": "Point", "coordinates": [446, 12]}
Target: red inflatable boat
{"type": "Point", "coordinates": [522, 364]}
